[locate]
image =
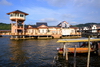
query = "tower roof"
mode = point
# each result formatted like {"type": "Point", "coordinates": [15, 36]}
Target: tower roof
{"type": "Point", "coordinates": [17, 11]}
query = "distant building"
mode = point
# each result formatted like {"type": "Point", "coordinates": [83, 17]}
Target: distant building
{"type": "Point", "coordinates": [66, 29]}
{"type": "Point", "coordinates": [42, 28]}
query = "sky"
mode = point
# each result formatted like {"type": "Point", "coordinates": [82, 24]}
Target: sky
{"type": "Point", "coordinates": [53, 11]}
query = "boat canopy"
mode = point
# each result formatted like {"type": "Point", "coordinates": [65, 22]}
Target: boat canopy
{"type": "Point", "coordinates": [78, 40]}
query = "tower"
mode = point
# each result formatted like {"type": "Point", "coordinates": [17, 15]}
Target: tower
{"type": "Point", "coordinates": [17, 22]}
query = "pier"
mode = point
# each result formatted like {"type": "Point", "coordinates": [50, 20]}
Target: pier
{"type": "Point", "coordinates": [35, 35]}
{"type": "Point", "coordinates": [79, 50]}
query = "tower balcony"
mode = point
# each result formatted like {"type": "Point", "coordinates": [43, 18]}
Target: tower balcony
{"type": "Point", "coordinates": [17, 18]}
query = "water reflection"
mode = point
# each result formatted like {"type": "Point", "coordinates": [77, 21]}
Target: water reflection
{"type": "Point", "coordinates": [18, 53]}
{"type": "Point", "coordinates": [35, 53]}
{"type": "Point", "coordinates": [38, 53]}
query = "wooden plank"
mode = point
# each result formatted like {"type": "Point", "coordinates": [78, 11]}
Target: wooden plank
{"type": "Point", "coordinates": [78, 40]}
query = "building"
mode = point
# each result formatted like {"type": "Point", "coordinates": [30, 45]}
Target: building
{"type": "Point", "coordinates": [17, 22]}
{"type": "Point", "coordinates": [63, 29]}
{"type": "Point", "coordinates": [41, 29]}
{"type": "Point", "coordinates": [92, 30]}
{"type": "Point", "coordinates": [67, 30]}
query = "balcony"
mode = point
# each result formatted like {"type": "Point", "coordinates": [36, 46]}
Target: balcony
{"type": "Point", "coordinates": [18, 18]}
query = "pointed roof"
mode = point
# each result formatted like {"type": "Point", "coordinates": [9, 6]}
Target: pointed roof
{"type": "Point", "coordinates": [41, 23]}
{"type": "Point", "coordinates": [18, 11]}
{"type": "Point", "coordinates": [62, 22]}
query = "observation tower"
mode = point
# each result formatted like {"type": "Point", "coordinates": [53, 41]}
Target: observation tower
{"type": "Point", "coordinates": [17, 23]}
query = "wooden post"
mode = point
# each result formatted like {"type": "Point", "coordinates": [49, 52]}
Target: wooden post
{"type": "Point", "coordinates": [99, 49]}
{"type": "Point", "coordinates": [11, 37]}
{"type": "Point", "coordinates": [88, 59]}
{"type": "Point", "coordinates": [23, 29]}
{"type": "Point", "coordinates": [23, 36]}
{"type": "Point", "coordinates": [64, 49]}
{"type": "Point", "coordinates": [66, 54]}
{"type": "Point", "coordinates": [75, 56]}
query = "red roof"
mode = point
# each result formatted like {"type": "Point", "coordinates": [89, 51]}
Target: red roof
{"type": "Point", "coordinates": [18, 11]}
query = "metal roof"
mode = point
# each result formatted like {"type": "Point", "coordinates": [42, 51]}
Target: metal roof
{"type": "Point", "coordinates": [40, 23]}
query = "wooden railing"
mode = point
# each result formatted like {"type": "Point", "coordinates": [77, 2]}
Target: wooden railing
{"type": "Point", "coordinates": [75, 33]}
{"type": "Point", "coordinates": [37, 34]}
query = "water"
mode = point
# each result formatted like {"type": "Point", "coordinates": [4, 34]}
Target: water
{"type": "Point", "coordinates": [37, 53]}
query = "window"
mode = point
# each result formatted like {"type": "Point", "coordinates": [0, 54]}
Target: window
{"type": "Point", "coordinates": [21, 15]}
{"type": "Point", "coordinates": [11, 15]}
{"type": "Point", "coordinates": [17, 15]}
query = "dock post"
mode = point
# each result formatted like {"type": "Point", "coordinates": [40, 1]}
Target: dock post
{"type": "Point", "coordinates": [16, 37]}
{"type": "Point", "coordinates": [66, 54]}
{"type": "Point", "coordinates": [11, 37]}
{"type": "Point", "coordinates": [64, 49]}
{"type": "Point", "coordinates": [23, 36]}
{"type": "Point", "coordinates": [88, 59]}
{"type": "Point", "coordinates": [99, 49]}
{"type": "Point", "coordinates": [75, 56]}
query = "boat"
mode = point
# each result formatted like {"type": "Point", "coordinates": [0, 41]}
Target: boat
{"type": "Point", "coordinates": [80, 50]}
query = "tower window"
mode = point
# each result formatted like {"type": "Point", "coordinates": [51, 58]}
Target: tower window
{"type": "Point", "coordinates": [11, 15]}
{"type": "Point", "coordinates": [21, 15]}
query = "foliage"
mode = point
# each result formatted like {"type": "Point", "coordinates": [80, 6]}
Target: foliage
{"type": "Point", "coordinates": [4, 26]}
{"type": "Point", "coordinates": [86, 24]}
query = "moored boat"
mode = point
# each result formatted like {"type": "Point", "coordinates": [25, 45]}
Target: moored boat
{"type": "Point", "coordinates": [78, 50]}
{"type": "Point", "coordinates": [82, 49]}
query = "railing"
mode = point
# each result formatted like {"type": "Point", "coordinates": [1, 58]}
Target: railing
{"type": "Point", "coordinates": [75, 33]}
{"type": "Point", "coordinates": [37, 34]}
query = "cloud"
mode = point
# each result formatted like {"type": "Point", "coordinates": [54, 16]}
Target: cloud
{"type": "Point", "coordinates": [67, 16]}
{"type": "Point", "coordinates": [5, 2]}
{"type": "Point", "coordinates": [78, 3]}
{"type": "Point", "coordinates": [90, 3]}
{"type": "Point", "coordinates": [39, 11]}
{"type": "Point", "coordinates": [5, 21]}
{"type": "Point", "coordinates": [73, 23]}
{"type": "Point", "coordinates": [48, 20]}
{"type": "Point", "coordinates": [51, 16]}
{"type": "Point", "coordinates": [57, 3]}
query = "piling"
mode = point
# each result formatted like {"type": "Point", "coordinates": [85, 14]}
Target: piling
{"type": "Point", "coordinates": [88, 59]}
{"type": "Point", "coordinates": [66, 54]}
{"type": "Point", "coordinates": [99, 49]}
{"type": "Point", "coordinates": [64, 49]}
{"type": "Point", "coordinates": [75, 56]}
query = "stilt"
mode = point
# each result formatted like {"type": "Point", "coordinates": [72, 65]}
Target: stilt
{"type": "Point", "coordinates": [38, 37]}
{"type": "Point", "coordinates": [75, 56]}
{"type": "Point", "coordinates": [64, 49]}
{"type": "Point", "coordinates": [11, 37]}
{"type": "Point", "coordinates": [23, 37]}
{"type": "Point", "coordinates": [88, 59]}
{"type": "Point", "coordinates": [47, 36]}
{"type": "Point", "coordinates": [66, 54]}
{"type": "Point", "coordinates": [99, 49]}
{"type": "Point", "coordinates": [16, 36]}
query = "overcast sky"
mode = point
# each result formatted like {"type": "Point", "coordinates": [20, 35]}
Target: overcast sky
{"type": "Point", "coordinates": [53, 11]}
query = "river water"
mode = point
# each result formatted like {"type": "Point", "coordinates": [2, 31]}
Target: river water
{"type": "Point", "coordinates": [37, 53]}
